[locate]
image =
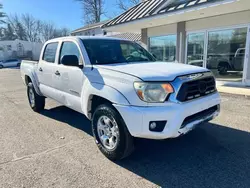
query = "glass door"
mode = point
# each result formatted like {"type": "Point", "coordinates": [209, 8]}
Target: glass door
{"type": "Point", "coordinates": [163, 47]}
{"type": "Point", "coordinates": [195, 49]}
{"type": "Point", "coordinates": [226, 53]}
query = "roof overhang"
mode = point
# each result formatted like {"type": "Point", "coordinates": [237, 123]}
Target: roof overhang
{"type": "Point", "coordinates": [205, 10]}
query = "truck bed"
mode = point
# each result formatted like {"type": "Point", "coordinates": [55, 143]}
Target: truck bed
{"type": "Point", "coordinates": [28, 68]}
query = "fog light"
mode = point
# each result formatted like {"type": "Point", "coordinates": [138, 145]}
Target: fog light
{"type": "Point", "coordinates": [152, 125]}
{"type": "Point", "coordinates": [157, 126]}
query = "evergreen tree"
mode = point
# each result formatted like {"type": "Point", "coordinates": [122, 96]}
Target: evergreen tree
{"type": "Point", "coordinates": [9, 33]}
{"type": "Point", "coordinates": [2, 14]}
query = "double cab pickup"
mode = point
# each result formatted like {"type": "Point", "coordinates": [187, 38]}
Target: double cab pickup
{"type": "Point", "coordinates": [122, 89]}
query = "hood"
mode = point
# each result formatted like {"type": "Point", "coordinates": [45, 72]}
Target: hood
{"type": "Point", "coordinates": [155, 71]}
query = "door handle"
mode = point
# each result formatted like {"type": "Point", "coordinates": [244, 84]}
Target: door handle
{"type": "Point", "coordinates": [57, 73]}
{"type": "Point", "coordinates": [40, 69]}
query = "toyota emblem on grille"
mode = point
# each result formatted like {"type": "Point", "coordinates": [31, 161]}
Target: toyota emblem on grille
{"type": "Point", "coordinates": [191, 76]}
{"type": "Point", "coordinates": [202, 87]}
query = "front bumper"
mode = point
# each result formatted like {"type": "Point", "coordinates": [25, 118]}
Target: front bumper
{"type": "Point", "coordinates": [137, 118]}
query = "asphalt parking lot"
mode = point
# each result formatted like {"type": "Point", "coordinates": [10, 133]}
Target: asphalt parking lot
{"type": "Point", "coordinates": [56, 148]}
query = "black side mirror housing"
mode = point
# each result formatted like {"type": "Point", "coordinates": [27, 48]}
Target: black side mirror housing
{"type": "Point", "coordinates": [70, 60]}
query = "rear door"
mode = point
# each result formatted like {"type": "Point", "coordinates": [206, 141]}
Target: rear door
{"type": "Point", "coordinates": [69, 80]}
{"type": "Point", "coordinates": [46, 70]}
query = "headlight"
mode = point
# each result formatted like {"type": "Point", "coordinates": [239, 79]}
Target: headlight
{"type": "Point", "coordinates": [153, 92]}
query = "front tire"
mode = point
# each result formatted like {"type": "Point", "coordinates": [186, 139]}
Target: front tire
{"type": "Point", "coordinates": [223, 68]}
{"type": "Point", "coordinates": [111, 134]}
{"type": "Point", "coordinates": [37, 102]}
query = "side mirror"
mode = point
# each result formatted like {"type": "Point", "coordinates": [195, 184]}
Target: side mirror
{"type": "Point", "coordinates": [70, 60]}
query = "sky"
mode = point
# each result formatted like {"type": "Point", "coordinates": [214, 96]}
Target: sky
{"type": "Point", "coordinates": [63, 13]}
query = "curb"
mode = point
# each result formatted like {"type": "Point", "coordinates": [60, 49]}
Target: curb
{"type": "Point", "coordinates": [234, 90]}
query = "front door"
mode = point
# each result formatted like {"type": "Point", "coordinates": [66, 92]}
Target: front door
{"type": "Point", "coordinates": [69, 79]}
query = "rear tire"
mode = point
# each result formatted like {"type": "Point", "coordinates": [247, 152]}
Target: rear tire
{"type": "Point", "coordinates": [1, 66]}
{"type": "Point", "coordinates": [122, 143]}
{"type": "Point", "coordinates": [37, 102]}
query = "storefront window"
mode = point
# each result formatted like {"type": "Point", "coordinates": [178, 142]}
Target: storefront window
{"type": "Point", "coordinates": [226, 53]}
{"type": "Point", "coordinates": [163, 47]}
{"type": "Point", "coordinates": [195, 49]}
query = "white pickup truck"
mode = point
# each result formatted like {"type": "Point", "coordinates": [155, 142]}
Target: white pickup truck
{"type": "Point", "coordinates": [120, 87]}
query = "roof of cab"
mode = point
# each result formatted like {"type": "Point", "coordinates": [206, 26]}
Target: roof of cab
{"type": "Point", "coordinates": [104, 37]}
{"type": "Point", "coordinates": [84, 38]}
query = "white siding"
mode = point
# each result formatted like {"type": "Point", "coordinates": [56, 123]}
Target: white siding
{"type": "Point", "coordinates": [20, 48]}
{"type": "Point", "coordinates": [219, 21]}
{"type": "Point", "coordinates": [162, 30]}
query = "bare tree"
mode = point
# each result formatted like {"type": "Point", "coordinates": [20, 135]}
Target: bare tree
{"type": "Point", "coordinates": [16, 23]}
{"type": "Point", "coordinates": [20, 32]}
{"type": "Point", "coordinates": [8, 33]}
{"type": "Point", "coordinates": [26, 27]}
{"type": "Point", "coordinates": [125, 5]}
{"type": "Point", "coordinates": [92, 10]}
{"type": "Point", "coordinates": [64, 32]}
{"type": "Point", "coordinates": [47, 31]}
{"type": "Point", "coordinates": [32, 27]}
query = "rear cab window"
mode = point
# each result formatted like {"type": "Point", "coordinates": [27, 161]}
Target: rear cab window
{"type": "Point", "coordinates": [49, 54]}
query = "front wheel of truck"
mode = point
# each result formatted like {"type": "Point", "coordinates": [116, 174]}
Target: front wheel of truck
{"type": "Point", "coordinates": [111, 134]}
{"type": "Point", "coordinates": [37, 102]}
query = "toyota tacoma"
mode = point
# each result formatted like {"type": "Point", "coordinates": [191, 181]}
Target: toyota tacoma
{"type": "Point", "coordinates": [122, 89]}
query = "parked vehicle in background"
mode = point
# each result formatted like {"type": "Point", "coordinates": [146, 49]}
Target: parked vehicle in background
{"type": "Point", "coordinates": [223, 63]}
{"type": "Point", "coordinates": [122, 89]}
{"type": "Point", "coordinates": [10, 63]}
{"type": "Point", "coordinates": [233, 62]}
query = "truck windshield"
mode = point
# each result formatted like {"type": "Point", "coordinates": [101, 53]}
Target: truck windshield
{"type": "Point", "coordinates": [110, 51]}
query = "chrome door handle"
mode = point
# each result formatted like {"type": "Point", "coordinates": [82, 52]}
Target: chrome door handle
{"type": "Point", "coordinates": [57, 73]}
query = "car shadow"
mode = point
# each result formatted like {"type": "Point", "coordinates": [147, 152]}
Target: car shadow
{"type": "Point", "coordinates": [9, 68]}
{"type": "Point", "coordinates": [210, 156]}
{"type": "Point", "coordinates": [71, 117]}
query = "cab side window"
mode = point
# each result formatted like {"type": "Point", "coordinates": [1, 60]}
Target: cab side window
{"type": "Point", "coordinates": [242, 53]}
{"type": "Point", "coordinates": [49, 54]}
{"type": "Point", "coordinates": [70, 48]}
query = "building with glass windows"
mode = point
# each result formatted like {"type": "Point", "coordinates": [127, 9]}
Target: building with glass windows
{"type": "Point", "coordinates": [211, 33]}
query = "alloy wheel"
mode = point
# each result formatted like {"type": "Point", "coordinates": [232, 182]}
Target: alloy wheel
{"type": "Point", "coordinates": [108, 132]}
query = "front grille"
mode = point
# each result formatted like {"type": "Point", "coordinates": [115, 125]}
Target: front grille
{"type": "Point", "coordinates": [199, 115]}
{"type": "Point", "coordinates": [197, 88]}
